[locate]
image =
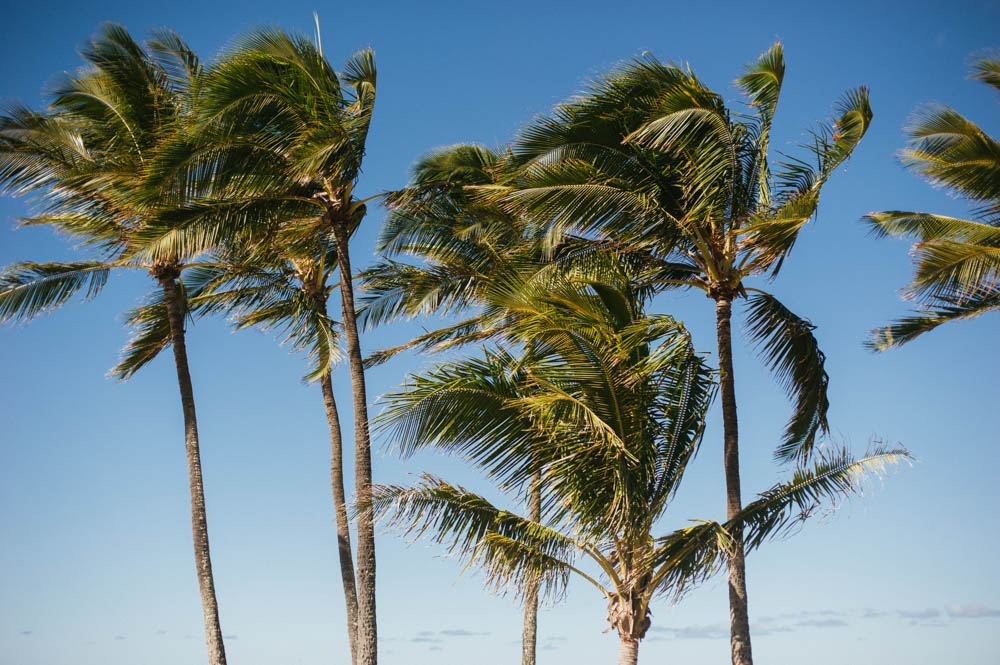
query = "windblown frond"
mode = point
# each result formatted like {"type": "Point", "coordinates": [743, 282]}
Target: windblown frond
{"type": "Point", "coordinates": [786, 343]}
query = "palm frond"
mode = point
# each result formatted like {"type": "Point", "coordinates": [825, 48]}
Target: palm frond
{"type": "Point", "coordinates": [28, 290]}
{"type": "Point", "coordinates": [787, 344]}
{"type": "Point", "coordinates": [834, 475]}
{"type": "Point", "coordinates": [941, 309]}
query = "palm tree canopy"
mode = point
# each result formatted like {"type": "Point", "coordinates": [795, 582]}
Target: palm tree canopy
{"type": "Point", "coordinates": [957, 260]}
{"type": "Point", "coordinates": [282, 134]}
{"type": "Point", "coordinates": [608, 404]}
{"type": "Point", "coordinates": [650, 161]}
{"type": "Point", "coordinates": [83, 160]}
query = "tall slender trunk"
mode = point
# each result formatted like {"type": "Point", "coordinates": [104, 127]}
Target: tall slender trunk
{"type": "Point", "coordinates": [529, 637]}
{"type": "Point", "coordinates": [367, 630]}
{"type": "Point", "coordinates": [739, 618]}
{"type": "Point", "coordinates": [199, 520]}
{"type": "Point", "coordinates": [340, 510]}
{"type": "Point", "coordinates": [628, 652]}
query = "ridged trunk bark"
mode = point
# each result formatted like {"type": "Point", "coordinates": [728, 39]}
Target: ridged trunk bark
{"type": "Point", "coordinates": [739, 617]}
{"type": "Point", "coordinates": [367, 629]}
{"type": "Point", "coordinates": [628, 652]}
{"type": "Point", "coordinates": [199, 519]}
{"type": "Point", "coordinates": [529, 637]}
{"type": "Point", "coordinates": [340, 511]}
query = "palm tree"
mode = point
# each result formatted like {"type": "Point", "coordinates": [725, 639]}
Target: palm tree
{"type": "Point", "coordinates": [464, 249]}
{"type": "Point", "coordinates": [957, 260]}
{"type": "Point", "coordinates": [609, 405]}
{"type": "Point", "coordinates": [284, 287]}
{"type": "Point", "coordinates": [85, 159]}
{"type": "Point", "coordinates": [650, 159]}
{"type": "Point", "coordinates": [283, 135]}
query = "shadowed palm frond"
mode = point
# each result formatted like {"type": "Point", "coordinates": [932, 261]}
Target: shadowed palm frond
{"type": "Point", "coordinates": [787, 344]}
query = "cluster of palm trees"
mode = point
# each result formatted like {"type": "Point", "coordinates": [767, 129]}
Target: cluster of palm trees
{"type": "Point", "coordinates": [233, 186]}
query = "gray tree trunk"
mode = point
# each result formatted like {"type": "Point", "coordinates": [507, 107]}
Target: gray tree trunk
{"type": "Point", "coordinates": [367, 630]}
{"type": "Point", "coordinates": [340, 511]}
{"type": "Point", "coordinates": [739, 617]}
{"type": "Point", "coordinates": [628, 652]}
{"type": "Point", "coordinates": [529, 637]}
{"type": "Point", "coordinates": [199, 520]}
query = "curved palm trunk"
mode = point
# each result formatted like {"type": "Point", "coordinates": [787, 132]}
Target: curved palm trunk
{"type": "Point", "coordinates": [628, 652]}
{"type": "Point", "coordinates": [367, 630]}
{"type": "Point", "coordinates": [340, 510]}
{"type": "Point", "coordinates": [529, 637]}
{"type": "Point", "coordinates": [199, 520]}
{"type": "Point", "coordinates": [739, 618]}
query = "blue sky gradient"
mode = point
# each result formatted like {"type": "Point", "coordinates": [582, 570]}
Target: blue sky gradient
{"type": "Point", "coordinates": [95, 549]}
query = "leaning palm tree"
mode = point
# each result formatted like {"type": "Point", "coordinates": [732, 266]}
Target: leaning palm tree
{"type": "Point", "coordinates": [284, 287]}
{"type": "Point", "coordinates": [957, 260]}
{"type": "Point", "coordinates": [84, 158]}
{"type": "Point", "coordinates": [651, 159]}
{"type": "Point", "coordinates": [283, 135]}
{"type": "Point", "coordinates": [609, 405]}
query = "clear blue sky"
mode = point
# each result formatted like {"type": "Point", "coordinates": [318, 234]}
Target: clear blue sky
{"type": "Point", "coordinates": [95, 555]}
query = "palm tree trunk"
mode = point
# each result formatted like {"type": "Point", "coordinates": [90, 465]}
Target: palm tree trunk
{"type": "Point", "coordinates": [367, 630]}
{"type": "Point", "coordinates": [199, 519]}
{"type": "Point", "coordinates": [529, 637]}
{"type": "Point", "coordinates": [628, 652]}
{"type": "Point", "coordinates": [340, 510]}
{"type": "Point", "coordinates": [739, 618]}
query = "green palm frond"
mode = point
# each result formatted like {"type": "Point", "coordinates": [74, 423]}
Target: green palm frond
{"type": "Point", "coordinates": [987, 70]}
{"type": "Point", "coordinates": [509, 548]}
{"type": "Point", "coordinates": [925, 226]}
{"type": "Point", "coordinates": [834, 475]}
{"type": "Point", "coordinates": [787, 344]}
{"type": "Point", "coordinates": [953, 152]}
{"type": "Point", "coordinates": [954, 269]}
{"type": "Point", "coordinates": [28, 290]}
{"type": "Point", "coordinates": [151, 334]}
{"type": "Point", "coordinates": [691, 555]}
{"type": "Point", "coordinates": [941, 309]}
{"type": "Point", "coordinates": [957, 261]}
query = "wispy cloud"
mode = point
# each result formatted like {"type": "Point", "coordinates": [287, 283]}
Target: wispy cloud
{"type": "Point", "coordinates": [873, 614]}
{"type": "Point", "coordinates": [972, 611]}
{"type": "Point", "coordinates": [25, 632]}
{"type": "Point", "coordinates": [697, 632]}
{"type": "Point", "coordinates": [812, 613]}
{"type": "Point", "coordinates": [551, 643]}
{"type": "Point", "coordinates": [459, 632]}
{"type": "Point", "coordinates": [929, 618]}
{"type": "Point", "coordinates": [768, 626]}
{"type": "Point", "coordinates": [424, 639]}
{"type": "Point", "coordinates": [119, 637]}
{"type": "Point", "coordinates": [929, 613]}
{"type": "Point", "coordinates": [822, 623]}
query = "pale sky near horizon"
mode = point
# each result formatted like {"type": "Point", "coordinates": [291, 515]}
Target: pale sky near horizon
{"type": "Point", "coordinates": [95, 549]}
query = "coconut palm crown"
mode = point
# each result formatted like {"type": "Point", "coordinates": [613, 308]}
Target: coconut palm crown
{"type": "Point", "coordinates": [608, 404]}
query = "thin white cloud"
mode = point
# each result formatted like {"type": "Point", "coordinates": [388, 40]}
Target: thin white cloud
{"type": "Point", "coordinates": [929, 613]}
{"type": "Point", "coordinates": [971, 611]}
{"type": "Point", "coordinates": [822, 623]}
